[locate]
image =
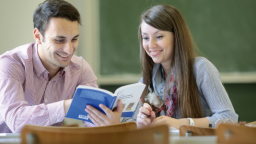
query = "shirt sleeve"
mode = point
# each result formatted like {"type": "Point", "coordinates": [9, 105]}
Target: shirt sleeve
{"type": "Point", "coordinates": [213, 91]}
{"type": "Point", "coordinates": [15, 110]}
{"type": "Point", "coordinates": [88, 77]}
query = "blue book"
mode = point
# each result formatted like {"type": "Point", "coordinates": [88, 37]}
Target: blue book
{"type": "Point", "coordinates": [84, 95]}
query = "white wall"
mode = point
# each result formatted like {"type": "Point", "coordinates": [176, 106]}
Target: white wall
{"type": "Point", "coordinates": [16, 20]}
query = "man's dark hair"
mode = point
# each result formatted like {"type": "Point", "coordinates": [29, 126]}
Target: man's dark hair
{"type": "Point", "coordinates": [54, 8]}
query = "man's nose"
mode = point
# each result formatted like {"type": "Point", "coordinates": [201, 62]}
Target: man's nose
{"type": "Point", "coordinates": [68, 48]}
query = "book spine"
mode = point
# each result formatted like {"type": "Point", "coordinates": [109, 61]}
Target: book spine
{"type": "Point", "coordinates": [113, 102]}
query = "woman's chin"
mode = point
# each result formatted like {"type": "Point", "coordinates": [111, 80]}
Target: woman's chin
{"type": "Point", "coordinates": [156, 61]}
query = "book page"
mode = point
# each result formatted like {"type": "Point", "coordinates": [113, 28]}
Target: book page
{"type": "Point", "coordinates": [130, 96]}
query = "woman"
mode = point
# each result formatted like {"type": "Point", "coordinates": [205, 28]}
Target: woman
{"type": "Point", "coordinates": [181, 88]}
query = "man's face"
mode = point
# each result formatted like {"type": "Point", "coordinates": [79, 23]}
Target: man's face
{"type": "Point", "coordinates": [59, 43]}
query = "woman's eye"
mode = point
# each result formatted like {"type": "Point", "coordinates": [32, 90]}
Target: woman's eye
{"type": "Point", "coordinates": [159, 37]}
{"type": "Point", "coordinates": [145, 38]}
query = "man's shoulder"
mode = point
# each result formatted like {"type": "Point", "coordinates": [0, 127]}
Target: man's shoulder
{"type": "Point", "coordinates": [15, 62]}
{"type": "Point", "coordinates": [78, 62]}
{"type": "Point", "coordinates": [20, 52]}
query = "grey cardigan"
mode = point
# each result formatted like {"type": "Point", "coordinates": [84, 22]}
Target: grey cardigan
{"type": "Point", "coordinates": [214, 99]}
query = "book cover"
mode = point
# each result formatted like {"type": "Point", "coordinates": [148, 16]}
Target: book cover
{"type": "Point", "coordinates": [84, 95]}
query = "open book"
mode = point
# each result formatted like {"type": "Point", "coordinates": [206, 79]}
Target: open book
{"type": "Point", "coordinates": [84, 95]}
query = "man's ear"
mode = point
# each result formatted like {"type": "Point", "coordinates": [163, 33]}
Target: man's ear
{"type": "Point", "coordinates": [37, 36]}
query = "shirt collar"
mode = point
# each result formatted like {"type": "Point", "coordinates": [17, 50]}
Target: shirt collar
{"type": "Point", "coordinates": [39, 67]}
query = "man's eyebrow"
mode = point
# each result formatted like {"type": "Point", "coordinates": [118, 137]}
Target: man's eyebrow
{"type": "Point", "coordinates": [76, 36]}
{"type": "Point", "coordinates": [60, 37]}
{"type": "Point", "coordinates": [65, 37]}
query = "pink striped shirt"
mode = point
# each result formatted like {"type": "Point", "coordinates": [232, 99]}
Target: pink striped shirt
{"type": "Point", "coordinates": [26, 94]}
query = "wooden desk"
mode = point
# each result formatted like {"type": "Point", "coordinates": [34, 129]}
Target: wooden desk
{"type": "Point", "coordinates": [193, 140]}
{"type": "Point", "coordinates": [9, 138]}
{"type": "Point", "coordinates": [174, 139]}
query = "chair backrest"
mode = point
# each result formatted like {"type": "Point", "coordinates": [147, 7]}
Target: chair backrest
{"type": "Point", "coordinates": [70, 125]}
{"type": "Point", "coordinates": [197, 131]}
{"type": "Point", "coordinates": [109, 128]}
{"type": "Point", "coordinates": [149, 135]}
{"type": "Point", "coordinates": [252, 124]}
{"type": "Point", "coordinates": [235, 134]}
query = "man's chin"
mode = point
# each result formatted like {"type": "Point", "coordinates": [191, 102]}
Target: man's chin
{"type": "Point", "coordinates": [63, 65]}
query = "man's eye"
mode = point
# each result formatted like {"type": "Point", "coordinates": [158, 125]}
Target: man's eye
{"type": "Point", "coordinates": [74, 39]}
{"type": "Point", "coordinates": [59, 40]}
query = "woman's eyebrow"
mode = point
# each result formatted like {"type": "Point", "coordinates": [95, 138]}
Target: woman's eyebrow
{"type": "Point", "coordinates": [154, 32]}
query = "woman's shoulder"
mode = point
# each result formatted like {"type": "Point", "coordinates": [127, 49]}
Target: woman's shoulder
{"type": "Point", "coordinates": [200, 60]}
{"type": "Point", "coordinates": [203, 65]}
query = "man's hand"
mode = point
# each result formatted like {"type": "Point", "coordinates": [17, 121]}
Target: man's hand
{"type": "Point", "coordinates": [100, 119]}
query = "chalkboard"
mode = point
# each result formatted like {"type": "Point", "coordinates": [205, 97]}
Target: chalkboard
{"type": "Point", "coordinates": [224, 31]}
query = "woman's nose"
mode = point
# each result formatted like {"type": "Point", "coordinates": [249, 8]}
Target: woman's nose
{"type": "Point", "coordinates": [152, 43]}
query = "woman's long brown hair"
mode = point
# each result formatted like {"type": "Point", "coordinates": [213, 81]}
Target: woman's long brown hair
{"type": "Point", "coordinates": [168, 18]}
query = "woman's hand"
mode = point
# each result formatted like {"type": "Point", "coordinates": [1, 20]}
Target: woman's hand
{"type": "Point", "coordinates": [171, 122]}
{"type": "Point", "coordinates": [100, 119]}
{"type": "Point", "coordinates": [145, 116]}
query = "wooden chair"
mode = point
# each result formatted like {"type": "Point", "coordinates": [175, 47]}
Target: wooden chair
{"type": "Point", "coordinates": [70, 125]}
{"type": "Point", "coordinates": [252, 123]}
{"type": "Point", "coordinates": [197, 131]}
{"type": "Point", "coordinates": [111, 128]}
{"type": "Point", "coordinates": [235, 134]}
{"type": "Point", "coordinates": [149, 135]}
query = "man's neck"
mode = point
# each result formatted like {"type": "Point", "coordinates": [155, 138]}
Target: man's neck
{"type": "Point", "coordinates": [52, 73]}
{"type": "Point", "coordinates": [53, 70]}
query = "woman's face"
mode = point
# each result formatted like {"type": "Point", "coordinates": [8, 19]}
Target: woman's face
{"type": "Point", "coordinates": [158, 44]}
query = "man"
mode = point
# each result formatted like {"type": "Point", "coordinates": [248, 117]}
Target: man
{"type": "Point", "coordinates": [38, 80]}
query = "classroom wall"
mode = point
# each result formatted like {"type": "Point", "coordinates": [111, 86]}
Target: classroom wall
{"type": "Point", "coordinates": [16, 23]}
{"type": "Point", "coordinates": [17, 29]}
{"type": "Point", "coordinates": [16, 19]}
{"type": "Point", "coordinates": [224, 31]}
